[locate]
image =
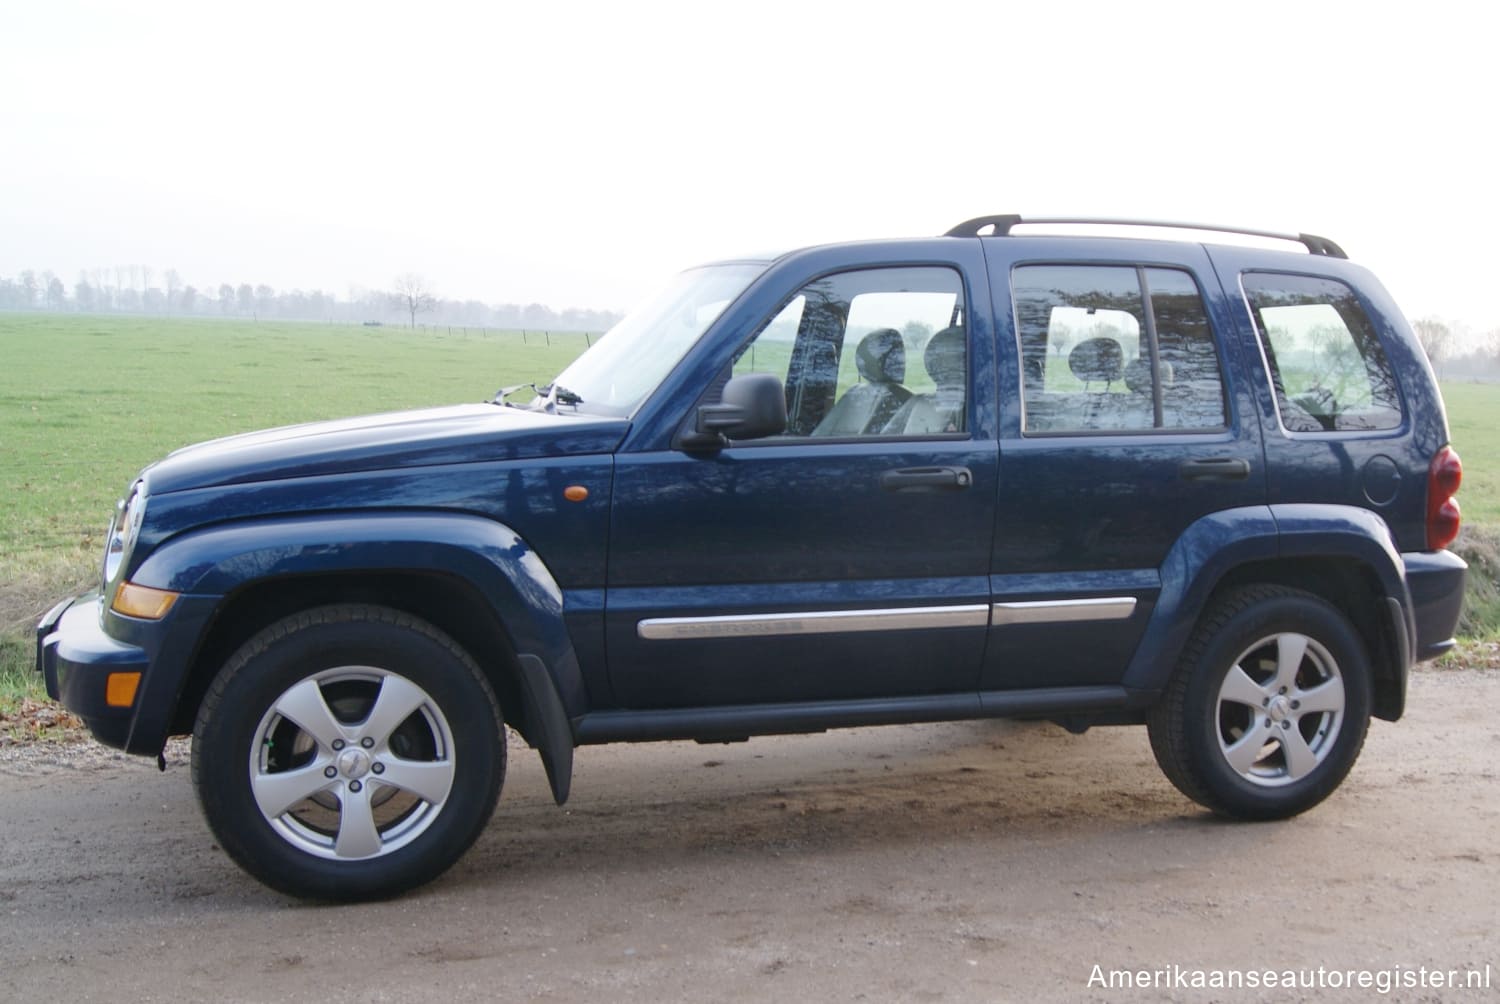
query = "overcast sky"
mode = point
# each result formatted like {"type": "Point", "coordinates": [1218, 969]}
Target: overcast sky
{"type": "Point", "coordinates": [575, 153]}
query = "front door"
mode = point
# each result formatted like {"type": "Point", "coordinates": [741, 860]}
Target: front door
{"type": "Point", "coordinates": [846, 559]}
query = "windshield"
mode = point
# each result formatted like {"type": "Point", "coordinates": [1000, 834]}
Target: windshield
{"type": "Point", "coordinates": [635, 355]}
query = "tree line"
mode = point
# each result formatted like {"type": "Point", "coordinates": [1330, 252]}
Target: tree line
{"type": "Point", "coordinates": [1458, 353]}
{"type": "Point", "coordinates": [140, 289]}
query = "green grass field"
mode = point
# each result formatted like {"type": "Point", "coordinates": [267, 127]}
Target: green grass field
{"type": "Point", "coordinates": [1474, 423]}
{"type": "Point", "coordinates": [86, 401]}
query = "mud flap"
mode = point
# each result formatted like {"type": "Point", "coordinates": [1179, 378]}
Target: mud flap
{"type": "Point", "coordinates": [554, 735]}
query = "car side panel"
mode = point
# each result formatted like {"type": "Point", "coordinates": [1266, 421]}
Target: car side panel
{"type": "Point", "coordinates": [1213, 547]}
{"type": "Point", "coordinates": [1382, 470]}
{"type": "Point", "coordinates": [493, 558]}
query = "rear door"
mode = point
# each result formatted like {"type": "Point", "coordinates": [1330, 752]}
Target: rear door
{"type": "Point", "coordinates": [1123, 420]}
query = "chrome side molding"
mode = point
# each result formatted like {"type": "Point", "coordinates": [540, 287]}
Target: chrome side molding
{"type": "Point", "coordinates": [813, 622]}
{"type": "Point", "coordinates": [1104, 608]}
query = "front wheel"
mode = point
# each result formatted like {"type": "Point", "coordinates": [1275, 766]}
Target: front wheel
{"type": "Point", "coordinates": [1268, 707]}
{"type": "Point", "coordinates": [348, 752]}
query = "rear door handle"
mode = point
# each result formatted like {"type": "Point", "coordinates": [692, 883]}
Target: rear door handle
{"type": "Point", "coordinates": [917, 479]}
{"type": "Point", "coordinates": [1215, 469]}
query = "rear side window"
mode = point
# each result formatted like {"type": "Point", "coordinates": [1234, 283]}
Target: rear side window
{"type": "Point", "coordinates": [1115, 349]}
{"type": "Point", "coordinates": [1327, 365]}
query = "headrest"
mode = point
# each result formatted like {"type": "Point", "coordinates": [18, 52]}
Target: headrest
{"type": "Point", "coordinates": [1138, 375]}
{"type": "Point", "coordinates": [1032, 367]}
{"type": "Point", "coordinates": [945, 357]}
{"type": "Point", "coordinates": [1097, 359]}
{"type": "Point", "coordinates": [881, 356]}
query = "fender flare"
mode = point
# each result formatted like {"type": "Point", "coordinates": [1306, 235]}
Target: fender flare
{"type": "Point", "coordinates": [511, 577]}
{"type": "Point", "coordinates": [1217, 544]}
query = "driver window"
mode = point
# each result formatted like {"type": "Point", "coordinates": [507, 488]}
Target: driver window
{"type": "Point", "coordinates": [878, 352]}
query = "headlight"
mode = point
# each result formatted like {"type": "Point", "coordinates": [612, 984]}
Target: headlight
{"type": "Point", "coordinates": [122, 531]}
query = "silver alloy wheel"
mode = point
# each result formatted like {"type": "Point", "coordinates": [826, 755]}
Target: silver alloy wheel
{"type": "Point", "coordinates": [1280, 709]}
{"type": "Point", "coordinates": [352, 763]}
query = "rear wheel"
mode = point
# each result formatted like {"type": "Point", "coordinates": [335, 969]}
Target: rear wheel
{"type": "Point", "coordinates": [348, 752]}
{"type": "Point", "coordinates": [1268, 709]}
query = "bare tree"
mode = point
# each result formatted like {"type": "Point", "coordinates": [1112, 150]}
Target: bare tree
{"type": "Point", "coordinates": [413, 295]}
{"type": "Point", "coordinates": [1435, 337]}
{"type": "Point", "coordinates": [104, 294]}
{"type": "Point", "coordinates": [57, 294]}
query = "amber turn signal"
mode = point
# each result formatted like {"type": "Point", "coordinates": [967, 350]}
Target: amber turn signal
{"type": "Point", "coordinates": [575, 493]}
{"type": "Point", "coordinates": [119, 689]}
{"type": "Point", "coordinates": [142, 601]}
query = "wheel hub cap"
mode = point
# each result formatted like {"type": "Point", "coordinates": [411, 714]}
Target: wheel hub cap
{"type": "Point", "coordinates": [1280, 709]}
{"type": "Point", "coordinates": [354, 763]}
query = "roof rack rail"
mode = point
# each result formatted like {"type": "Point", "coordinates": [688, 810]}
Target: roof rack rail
{"type": "Point", "coordinates": [1002, 225]}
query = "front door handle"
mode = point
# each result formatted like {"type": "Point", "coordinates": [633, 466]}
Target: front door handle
{"type": "Point", "coordinates": [1215, 469]}
{"type": "Point", "coordinates": [918, 479]}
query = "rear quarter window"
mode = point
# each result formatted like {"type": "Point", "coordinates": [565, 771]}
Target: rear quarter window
{"type": "Point", "coordinates": [1327, 365]}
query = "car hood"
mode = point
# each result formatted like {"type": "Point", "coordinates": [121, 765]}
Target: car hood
{"type": "Point", "coordinates": [429, 437]}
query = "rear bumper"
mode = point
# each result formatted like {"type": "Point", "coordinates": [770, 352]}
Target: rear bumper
{"type": "Point", "coordinates": [76, 658]}
{"type": "Point", "coordinates": [1435, 580]}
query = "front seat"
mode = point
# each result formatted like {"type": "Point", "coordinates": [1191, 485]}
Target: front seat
{"type": "Point", "coordinates": [942, 410]}
{"type": "Point", "coordinates": [1095, 360]}
{"type": "Point", "coordinates": [867, 407]}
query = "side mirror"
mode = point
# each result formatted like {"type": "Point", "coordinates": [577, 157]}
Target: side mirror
{"type": "Point", "coordinates": [751, 406]}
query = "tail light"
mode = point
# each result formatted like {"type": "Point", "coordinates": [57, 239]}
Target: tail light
{"type": "Point", "coordinates": [1444, 475]}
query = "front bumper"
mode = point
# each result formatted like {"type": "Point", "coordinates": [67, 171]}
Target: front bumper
{"type": "Point", "coordinates": [76, 658]}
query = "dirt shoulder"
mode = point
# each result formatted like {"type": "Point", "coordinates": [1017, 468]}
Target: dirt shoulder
{"type": "Point", "coordinates": [972, 861]}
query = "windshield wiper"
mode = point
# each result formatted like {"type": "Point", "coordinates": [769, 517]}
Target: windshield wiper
{"type": "Point", "coordinates": [561, 395]}
{"type": "Point", "coordinates": [547, 397]}
{"type": "Point", "coordinates": [505, 392]}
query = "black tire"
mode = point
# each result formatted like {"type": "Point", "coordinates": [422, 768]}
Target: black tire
{"type": "Point", "coordinates": [354, 834]}
{"type": "Point", "coordinates": [1282, 747]}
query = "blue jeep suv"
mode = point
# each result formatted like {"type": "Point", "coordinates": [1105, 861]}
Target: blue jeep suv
{"type": "Point", "coordinates": [1098, 480]}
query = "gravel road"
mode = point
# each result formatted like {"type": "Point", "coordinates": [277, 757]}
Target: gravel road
{"type": "Point", "coordinates": [989, 861]}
